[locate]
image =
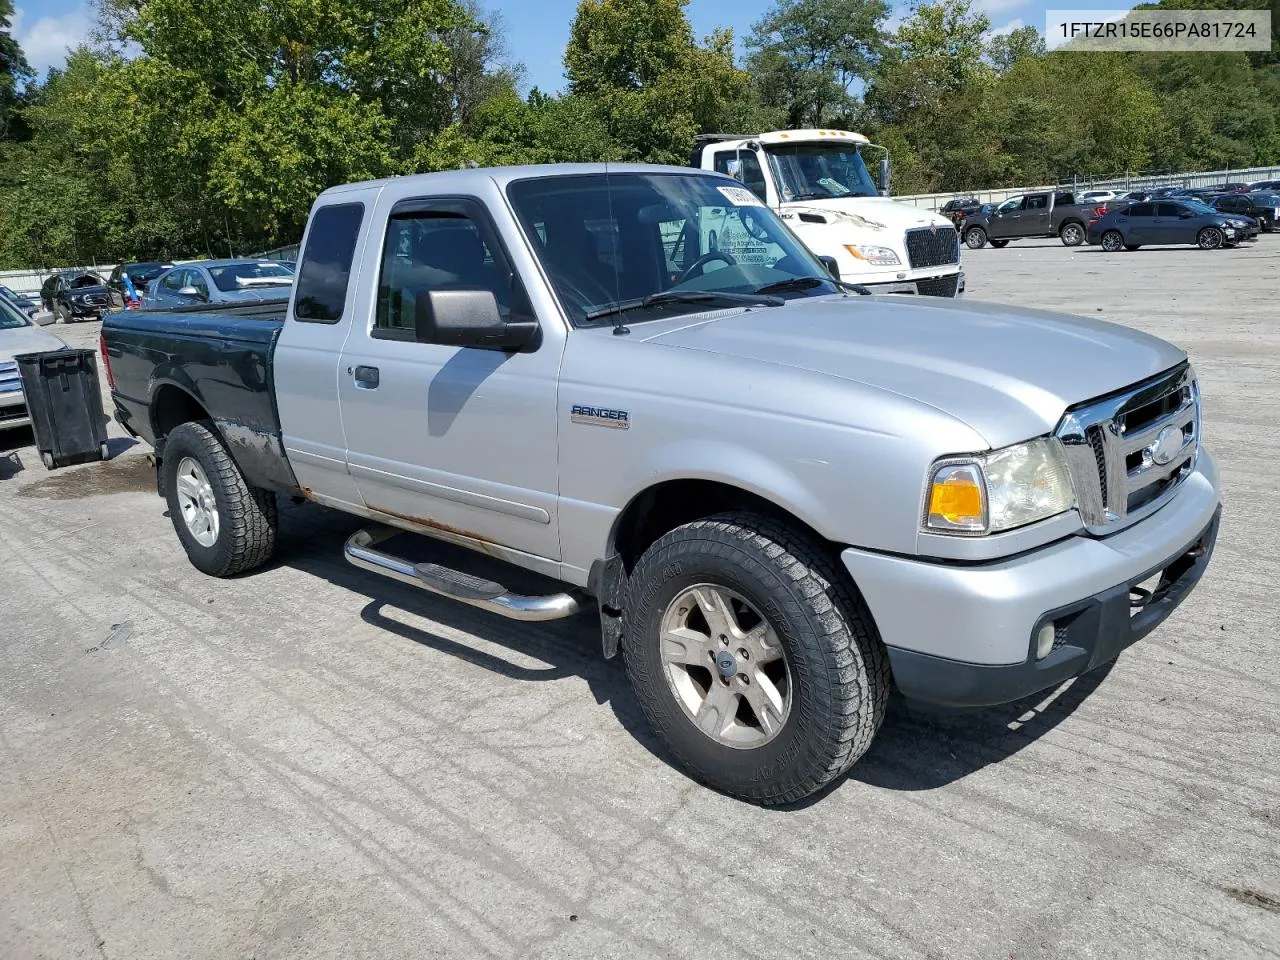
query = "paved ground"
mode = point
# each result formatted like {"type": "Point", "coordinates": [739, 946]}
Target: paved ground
{"type": "Point", "coordinates": [308, 762]}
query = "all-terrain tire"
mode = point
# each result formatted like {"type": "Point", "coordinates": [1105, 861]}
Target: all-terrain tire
{"type": "Point", "coordinates": [838, 666]}
{"type": "Point", "coordinates": [246, 535]}
{"type": "Point", "coordinates": [1071, 234]}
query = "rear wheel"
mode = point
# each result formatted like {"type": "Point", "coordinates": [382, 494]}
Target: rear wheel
{"type": "Point", "coordinates": [1071, 234]}
{"type": "Point", "coordinates": [1210, 238]}
{"type": "Point", "coordinates": [225, 525]}
{"type": "Point", "coordinates": [753, 656]}
{"type": "Point", "coordinates": [975, 238]}
{"type": "Point", "coordinates": [1113, 241]}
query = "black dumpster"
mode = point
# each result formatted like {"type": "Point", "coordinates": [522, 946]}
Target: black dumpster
{"type": "Point", "coordinates": [65, 404]}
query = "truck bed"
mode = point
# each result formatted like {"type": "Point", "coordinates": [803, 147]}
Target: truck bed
{"type": "Point", "coordinates": [220, 358]}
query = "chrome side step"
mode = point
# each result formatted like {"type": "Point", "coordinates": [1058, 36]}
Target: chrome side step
{"type": "Point", "coordinates": [454, 584]}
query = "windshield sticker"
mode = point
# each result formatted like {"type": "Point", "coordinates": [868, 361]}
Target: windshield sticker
{"type": "Point", "coordinates": [740, 196]}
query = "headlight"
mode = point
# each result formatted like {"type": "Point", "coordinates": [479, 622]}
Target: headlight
{"type": "Point", "coordinates": [880, 256]}
{"type": "Point", "coordinates": [998, 491]}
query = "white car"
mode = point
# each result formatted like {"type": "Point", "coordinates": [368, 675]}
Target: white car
{"type": "Point", "coordinates": [18, 334]}
{"type": "Point", "coordinates": [1097, 196]}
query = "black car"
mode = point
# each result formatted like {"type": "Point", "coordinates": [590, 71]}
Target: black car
{"type": "Point", "coordinates": [24, 305]}
{"type": "Point", "coordinates": [1263, 207]}
{"type": "Point", "coordinates": [76, 296]}
{"type": "Point", "coordinates": [139, 274]}
{"type": "Point", "coordinates": [1165, 222]}
{"type": "Point", "coordinates": [1267, 186]}
{"type": "Point", "coordinates": [958, 208]}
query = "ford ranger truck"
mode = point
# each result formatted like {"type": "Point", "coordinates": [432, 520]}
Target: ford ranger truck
{"type": "Point", "coordinates": [818, 183]}
{"type": "Point", "coordinates": [779, 496]}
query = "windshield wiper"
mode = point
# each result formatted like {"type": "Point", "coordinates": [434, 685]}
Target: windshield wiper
{"type": "Point", "coordinates": [808, 283]}
{"type": "Point", "coordinates": [684, 296]}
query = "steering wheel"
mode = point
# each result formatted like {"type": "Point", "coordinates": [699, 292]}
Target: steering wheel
{"type": "Point", "coordinates": [701, 263]}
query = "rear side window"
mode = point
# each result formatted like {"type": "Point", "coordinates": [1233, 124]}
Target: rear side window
{"type": "Point", "coordinates": [326, 263]}
{"type": "Point", "coordinates": [1141, 210]}
{"type": "Point", "coordinates": [1172, 210]}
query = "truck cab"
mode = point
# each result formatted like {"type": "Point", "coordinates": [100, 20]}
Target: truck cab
{"type": "Point", "coordinates": [819, 184]}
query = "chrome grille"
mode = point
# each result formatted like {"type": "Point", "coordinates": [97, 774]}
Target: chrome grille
{"type": "Point", "coordinates": [10, 381]}
{"type": "Point", "coordinates": [933, 248]}
{"type": "Point", "coordinates": [1114, 447]}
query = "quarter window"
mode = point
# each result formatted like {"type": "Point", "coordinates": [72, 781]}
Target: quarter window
{"type": "Point", "coordinates": [326, 263]}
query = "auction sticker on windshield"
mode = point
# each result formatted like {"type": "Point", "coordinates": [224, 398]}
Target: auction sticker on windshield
{"type": "Point", "coordinates": [740, 196]}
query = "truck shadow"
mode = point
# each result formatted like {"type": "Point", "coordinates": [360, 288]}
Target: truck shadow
{"type": "Point", "coordinates": [916, 749]}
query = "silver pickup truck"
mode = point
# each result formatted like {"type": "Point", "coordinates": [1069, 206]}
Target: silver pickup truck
{"type": "Point", "coordinates": [781, 496]}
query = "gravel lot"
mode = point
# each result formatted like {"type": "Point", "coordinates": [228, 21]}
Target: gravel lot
{"type": "Point", "coordinates": [314, 762]}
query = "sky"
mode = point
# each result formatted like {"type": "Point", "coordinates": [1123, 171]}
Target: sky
{"type": "Point", "coordinates": [537, 30]}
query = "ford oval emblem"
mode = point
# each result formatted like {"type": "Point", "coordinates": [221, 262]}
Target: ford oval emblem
{"type": "Point", "coordinates": [1166, 445]}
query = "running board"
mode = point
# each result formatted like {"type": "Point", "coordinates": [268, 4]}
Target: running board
{"type": "Point", "coordinates": [454, 584]}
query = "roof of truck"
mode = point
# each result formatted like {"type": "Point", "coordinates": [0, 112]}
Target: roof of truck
{"type": "Point", "coordinates": [458, 179]}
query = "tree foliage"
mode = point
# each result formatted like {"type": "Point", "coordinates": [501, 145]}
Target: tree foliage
{"type": "Point", "coordinates": [192, 128]}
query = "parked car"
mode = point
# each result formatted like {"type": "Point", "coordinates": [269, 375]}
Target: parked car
{"type": "Point", "coordinates": [959, 208]}
{"type": "Point", "coordinates": [79, 296]}
{"type": "Point", "coordinates": [1047, 214]}
{"type": "Point", "coordinates": [1270, 186]}
{"type": "Point", "coordinates": [1097, 197]}
{"type": "Point", "coordinates": [1232, 187]}
{"type": "Point", "coordinates": [1164, 222]}
{"type": "Point", "coordinates": [779, 498]}
{"type": "Point", "coordinates": [24, 304]}
{"type": "Point", "coordinates": [139, 274]}
{"type": "Point", "coordinates": [220, 281]}
{"type": "Point", "coordinates": [1133, 196]}
{"type": "Point", "coordinates": [1262, 207]}
{"type": "Point", "coordinates": [18, 334]}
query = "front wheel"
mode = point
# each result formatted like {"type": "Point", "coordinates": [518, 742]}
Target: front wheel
{"type": "Point", "coordinates": [1113, 241]}
{"type": "Point", "coordinates": [1071, 235]}
{"type": "Point", "coordinates": [975, 238]}
{"type": "Point", "coordinates": [999, 244]}
{"type": "Point", "coordinates": [1133, 246]}
{"type": "Point", "coordinates": [1210, 238]}
{"type": "Point", "coordinates": [225, 525]}
{"type": "Point", "coordinates": [753, 657]}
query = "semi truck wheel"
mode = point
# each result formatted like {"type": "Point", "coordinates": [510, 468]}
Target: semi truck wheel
{"type": "Point", "coordinates": [975, 238]}
{"type": "Point", "coordinates": [753, 657]}
{"type": "Point", "coordinates": [225, 525]}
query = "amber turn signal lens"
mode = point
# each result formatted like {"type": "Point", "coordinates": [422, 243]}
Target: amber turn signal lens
{"type": "Point", "coordinates": [956, 499]}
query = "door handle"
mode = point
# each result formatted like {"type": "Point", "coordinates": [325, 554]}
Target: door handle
{"type": "Point", "coordinates": [366, 378]}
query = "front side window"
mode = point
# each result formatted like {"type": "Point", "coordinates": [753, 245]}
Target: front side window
{"type": "Point", "coordinates": [1038, 202]}
{"type": "Point", "coordinates": [606, 241]}
{"type": "Point", "coordinates": [326, 263]}
{"type": "Point", "coordinates": [819, 171]}
{"type": "Point", "coordinates": [442, 249]}
{"type": "Point", "coordinates": [173, 280]}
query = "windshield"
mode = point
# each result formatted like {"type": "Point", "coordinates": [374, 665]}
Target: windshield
{"type": "Point", "coordinates": [146, 271]}
{"type": "Point", "coordinates": [11, 318]}
{"type": "Point", "coordinates": [1266, 200]}
{"type": "Point", "coordinates": [85, 280]}
{"type": "Point", "coordinates": [255, 273]}
{"type": "Point", "coordinates": [819, 171]}
{"type": "Point", "coordinates": [607, 240]}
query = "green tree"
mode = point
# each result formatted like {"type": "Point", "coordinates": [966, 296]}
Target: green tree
{"type": "Point", "coordinates": [1006, 49]}
{"type": "Point", "coordinates": [807, 55]}
{"type": "Point", "coordinates": [14, 70]}
{"type": "Point", "coordinates": [653, 86]}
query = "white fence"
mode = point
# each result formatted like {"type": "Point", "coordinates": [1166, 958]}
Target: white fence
{"type": "Point", "coordinates": [27, 282]}
{"type": "Point", "coordinates": [1205, 178]}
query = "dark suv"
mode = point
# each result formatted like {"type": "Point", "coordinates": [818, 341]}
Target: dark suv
{"type": "Point", "coordinates": [1260, 206]}
{"type": "Point", "coordinates": [139, 274]}
{"type": "Point", "coordinates": [76, 296]}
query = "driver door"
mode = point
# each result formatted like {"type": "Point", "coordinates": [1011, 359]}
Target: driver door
{"type": "Point", "coordinates": [1006, 220]}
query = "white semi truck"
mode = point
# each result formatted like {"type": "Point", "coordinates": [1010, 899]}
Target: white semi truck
{"type": "Point", "coordinates": [818, 183]}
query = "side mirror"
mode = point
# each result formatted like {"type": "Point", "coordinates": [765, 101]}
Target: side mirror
{"type": "Point", "coordinates": [884, 176]}
{"type": "Point", "coordinates": [191, 292]}
{"type": "Point", "coordinates": [833, 268]}
{"type": "Point", "coordinates": [468, 318]}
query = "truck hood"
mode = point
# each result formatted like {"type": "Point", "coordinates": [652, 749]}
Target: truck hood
{"type": "Point", "coordinates": [16, 340]}
{"type": "Point", "coordinates": [879, 214]}
{"type": "Point", "coordinates": [1008, 373]}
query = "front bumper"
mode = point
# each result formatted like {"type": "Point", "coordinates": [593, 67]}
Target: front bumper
{"type": "Point", "coordinates": [964, 635]}
{"type": "Point", "coordinates": [13, 410]}
{"type": "Point", "coordinates": [943, 285]}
